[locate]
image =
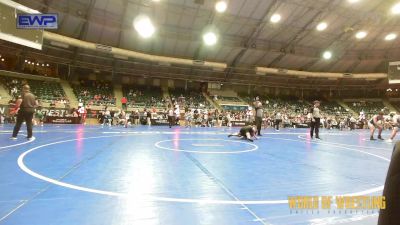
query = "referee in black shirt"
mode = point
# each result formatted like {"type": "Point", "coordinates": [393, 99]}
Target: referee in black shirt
{"type": "Point", "coordinates": [27, 105]}
{"type": "Point", "coordinates": [315, 120]}
{"type": "Point", "coordinates": [259, 115]}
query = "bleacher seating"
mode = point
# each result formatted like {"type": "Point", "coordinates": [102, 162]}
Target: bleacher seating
{"type": "Point", "coordinates": [368, 107]}
{"type": "Point", "coordinates": [94, 93]}
{"type": "Point", "coordinates": [189, 99]}
{"type": "Point", "coordinates": [333, 108]}
{"type": "Point", "coordinates": [143, 96]}
{"type": "Point", "coordinates": [396, 105]}
{"type": "Point", "coordinates": [46, 91]}
{"type": "Point", "coordinates": [290, 106]}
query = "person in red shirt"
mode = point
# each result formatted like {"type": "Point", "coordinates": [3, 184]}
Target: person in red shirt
{"type": "Point", "coordinates": [124, 101]}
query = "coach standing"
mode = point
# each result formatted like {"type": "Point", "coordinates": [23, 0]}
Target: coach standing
{"type": "Point", "coordinates": [259, 114]}
{"type": "Point", "coordinates": [27, 105]}
{"type": "Point", "coordinates": [315, 120]}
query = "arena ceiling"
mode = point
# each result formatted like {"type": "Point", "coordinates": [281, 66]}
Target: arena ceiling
{"type": "Point", "coordinates": [247, 38]}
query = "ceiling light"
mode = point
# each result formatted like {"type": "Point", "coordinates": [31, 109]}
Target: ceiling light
{"type": "Point", "coordinates": [37, 64]}
{"type": "Point", "coordinates": [26, 60]}
{"type": "Point", "coordinates": [144, 26]}
{"type": "Point", "coordinates": [390, 37]}
{"type": "Point", "coordinates": [275, 18]}
{"type": "Point", "coordinates": [221, 6]}
{"type": "Point", "coordinates": [210, 38]}
{"type": "Point", "coordinates": [396, 9]}
{"type": "Point", "coordinates": [47, 64]}
{"type": "Point", "coordinates": [23, 8]}
{"type": "Point", "coordinates": [361, 34]}
{"type": "Point", "coordinates": [353, 1]}
{"type": "Point", "coordinates": [2, 59]}
{"type": "Point", "coordinates": [322, 26]}
{"type": "Point", "coordinates": [42, 64]}
{"type": "Point", "coordinates": [327, 55]}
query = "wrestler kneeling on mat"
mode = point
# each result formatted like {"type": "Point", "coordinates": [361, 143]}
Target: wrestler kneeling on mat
{"type": "Point", "coordinates": [247, 133]}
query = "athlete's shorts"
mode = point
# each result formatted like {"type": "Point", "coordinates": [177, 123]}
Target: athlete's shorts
{"type": "Point", "coordinates": [372, 124]}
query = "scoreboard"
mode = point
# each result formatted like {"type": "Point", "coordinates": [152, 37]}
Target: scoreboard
{"type": "Point", "coordinates": [8, 26]}
{"type": "Point", "coordinates": [394, 72]}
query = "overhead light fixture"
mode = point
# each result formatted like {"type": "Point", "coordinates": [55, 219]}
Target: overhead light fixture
{"type": "Point", "coordinates": [361, 34]}
{"type": "Point", "coordinates": [144, 26]}
{"type": "Point", "coordinates": [221, 6]}
{"type": "Point", "coordinates": [43, 65]}
{"type": "Point", "coordinates": [210, 38]}
{"type": "Point", "coordinates": [275, 18]}
{"type": "Point", "coordinates": [322, 26]}
{"type": "Point", "coordinates": [353, 1]}
{"type": "Point", "coordinates": [47, 65]}
{"type": "Point", "coordinates": [396, 8]}
{"type": "Point", "coordinates": [26, 60]}
{"type": "Point", "coordinates": [2, 59]}
{"type": "Point", "coordinates": [390, 37]}
{"type": "Point", "coordinates": [37, 64]}
{"type": "Point", "coordinates": [327, 55]}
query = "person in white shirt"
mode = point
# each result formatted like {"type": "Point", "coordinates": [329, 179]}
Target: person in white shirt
{"type": "Point", "coordinates": [177, 113]}
{"type": "Point", "coordinates": [228, 119]}
{"type": "Point", "coordinates": [171, 117]}
{"type": "Point", "coordinates": [278, 120]}
{"type": "Point", "coordinates": [353, 122]}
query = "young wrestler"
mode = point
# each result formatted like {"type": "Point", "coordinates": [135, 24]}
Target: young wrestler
{"type": "Point", "coordinates": [247, 133]}
{"type": "Point", "coordinates": [396, 126]}
{"type": "Point", "coordinates": [373, 124]}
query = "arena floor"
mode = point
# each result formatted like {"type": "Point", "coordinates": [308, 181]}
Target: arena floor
{"type": "Point", "coordinates": [156, 175]}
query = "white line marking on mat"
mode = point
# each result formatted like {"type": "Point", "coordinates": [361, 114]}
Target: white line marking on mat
{"type": "Point", "coordinates": [23, 167]}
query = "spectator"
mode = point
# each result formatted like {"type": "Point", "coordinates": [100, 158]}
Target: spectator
{"type": "Point", "coordinates": [124, 100]}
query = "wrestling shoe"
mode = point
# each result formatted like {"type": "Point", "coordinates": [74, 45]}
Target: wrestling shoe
{"type": "Point", "coordinates": [372, 139]}
{"type": "Point", "coordinates": [230, 135]}
{"type": "Point", "coordinates": [380, 138]}
{"type": "Point", "coordinates": [389, 140]}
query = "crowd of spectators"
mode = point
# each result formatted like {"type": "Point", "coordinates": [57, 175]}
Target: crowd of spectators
{"type": "Point", "coordinates": [45, 91]}
{"type": "Point", "coordinates": [368, 107]}
{"type": "Point", "coordinates": [189, 99]}
{"type": "Point", "coordinates": [140, 96]}
{"type": "Point", "coordinates": [96, 93]}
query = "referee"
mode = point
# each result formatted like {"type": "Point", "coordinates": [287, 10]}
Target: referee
{"type": "Point", "coordinates": [259, 115]}
{"type": "Point", "coordinates": [315, 120]}
{"type": "Point", "coordinates": [27, 105]}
